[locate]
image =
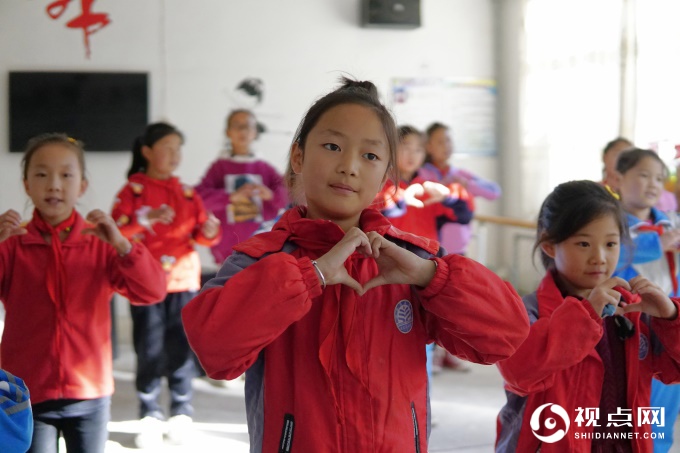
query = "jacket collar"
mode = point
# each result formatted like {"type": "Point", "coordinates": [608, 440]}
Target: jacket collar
{"type": "Point", "coordinates": [34, 236]}
{"type": "Point", "coordinates": [441, 172]}
{"type": "Point", "coordinates": [238, 158]}
{"type": "Point", "coordinates": [321, 235]}
{"type": "Point", "coordinates": [549, 294]}
{"type": "Point", "coordinates": [143, 179]}
{"type": "Point", "coordinates": [658, 218]}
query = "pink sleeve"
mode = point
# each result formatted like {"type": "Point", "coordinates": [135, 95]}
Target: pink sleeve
{"type": "Point", "coordinates": [211, 189]}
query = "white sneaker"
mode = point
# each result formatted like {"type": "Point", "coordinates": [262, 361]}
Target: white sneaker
{"type": "Point", "coordinates": [179, 429]}
{"type": "Point", "coordinates": [150, 433]}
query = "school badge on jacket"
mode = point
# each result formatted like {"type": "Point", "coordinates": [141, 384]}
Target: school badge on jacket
{"type": "Point", "coordinates": [403, 316]}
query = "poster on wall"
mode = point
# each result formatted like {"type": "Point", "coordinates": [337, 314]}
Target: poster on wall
{"type": "Point", "coordinates": [466, 106]}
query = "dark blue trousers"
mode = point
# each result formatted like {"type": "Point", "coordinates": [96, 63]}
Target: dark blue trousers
{"type": "Point", "coordinates": [82, 423]}
{"type": "Point", "coordinates": [163, 351]}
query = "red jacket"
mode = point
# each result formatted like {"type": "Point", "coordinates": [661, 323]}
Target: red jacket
{"type": "Point", "coordinates": [423, 221]}
{"type": "Point", "coordinates": [327, 369]}
{"type": "Point", "coordinates": [65, 352]}
{"type": "Point", "coordinates": [172, 245]}
{"type": "Point", "coordinates": [558, 364]}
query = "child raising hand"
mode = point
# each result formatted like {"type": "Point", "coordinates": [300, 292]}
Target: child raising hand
{"type": "Point", "coordinates": [60, 273]}
{"type": "Point", "coordinates": [333, 340]}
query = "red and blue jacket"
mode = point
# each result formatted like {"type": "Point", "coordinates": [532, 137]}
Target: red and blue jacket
{"type": "Point", "coordinates": [457, 207]}
{"type": "Point", "coordinates": [329, 370]}
{"type": "Point", "coordinates": [645, 255]}
{"type": "Point", "coordinates": [558, 364]}
{"type": "Point", "coordinates": [455, 237]}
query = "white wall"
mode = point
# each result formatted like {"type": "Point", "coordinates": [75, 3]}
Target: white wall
{"type": "Point", "coordinates": [198, 51]}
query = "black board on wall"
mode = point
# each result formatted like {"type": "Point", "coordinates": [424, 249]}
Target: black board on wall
{"type": "Point", "coordinates": [105, 110]}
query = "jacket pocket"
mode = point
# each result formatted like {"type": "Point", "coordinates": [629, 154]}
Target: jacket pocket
{"type": "Point", "coordinates": [416, 431]}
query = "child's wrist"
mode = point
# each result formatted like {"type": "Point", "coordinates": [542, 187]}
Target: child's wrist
{"type": "Point", "coordinates": [674, 315]}
{"type": "Point", "coordinates": [429, 269]}
{"type": "Point", "coordinates": [322, 278]}
{"type": "Point", "coordinates": [123, 248]}
{"type": "Point", "coordinates": [209, 232]}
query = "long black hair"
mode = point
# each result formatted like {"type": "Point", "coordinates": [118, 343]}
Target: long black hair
{"type": "Point", "coordinates": [151, 135]}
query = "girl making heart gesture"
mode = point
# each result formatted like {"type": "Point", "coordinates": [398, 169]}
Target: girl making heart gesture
{"type": "Point", "coordinates": [579, 362]}
{"type": "Point", "coordinates": [329, 313]}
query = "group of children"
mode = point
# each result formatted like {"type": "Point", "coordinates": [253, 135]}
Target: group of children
{"type": "Point", "coordinates": [332, 341]}
{"type": "Point", "coordinates": [605, 335]}
{"type": "Point", "coordinates": [144, 251]}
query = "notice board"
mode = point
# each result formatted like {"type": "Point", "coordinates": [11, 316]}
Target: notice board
{"type": "Point", "coordinates": [466, 106]}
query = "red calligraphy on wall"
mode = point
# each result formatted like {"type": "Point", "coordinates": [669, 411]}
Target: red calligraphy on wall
{"type": "Point", "coordinates": [88, 21]}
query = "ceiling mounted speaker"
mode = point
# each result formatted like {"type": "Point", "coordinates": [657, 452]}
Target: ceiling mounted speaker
{"type": "Point", "coordinates": [390, 13]}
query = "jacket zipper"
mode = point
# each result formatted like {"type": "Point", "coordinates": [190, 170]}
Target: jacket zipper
{"type": "Point", "coordinates": [416, 432]}
{"type": "Point", "coordinates": [286, 442]}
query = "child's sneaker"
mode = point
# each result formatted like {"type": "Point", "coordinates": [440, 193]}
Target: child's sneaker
{"type": "Point", "coordinates": [150, 433]}
{"type": "Point", "coordinates": [179, 429]}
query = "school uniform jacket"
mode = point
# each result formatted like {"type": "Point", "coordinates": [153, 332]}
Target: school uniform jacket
{"type": "Point", "coordinates": [172, 244]}
{"type": "Point", "coordinates": [423, 221]}
{"type": "Point", "coordinates": [645, 255]}
{"type": "Point", "coordinates": [327, 370]}
{"type": "Point", "coordinates": [64, 352]}
{"type": "Point", "coordinates": [558, 364]}
{"type": "Point", "coordinates": [455, 237]}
